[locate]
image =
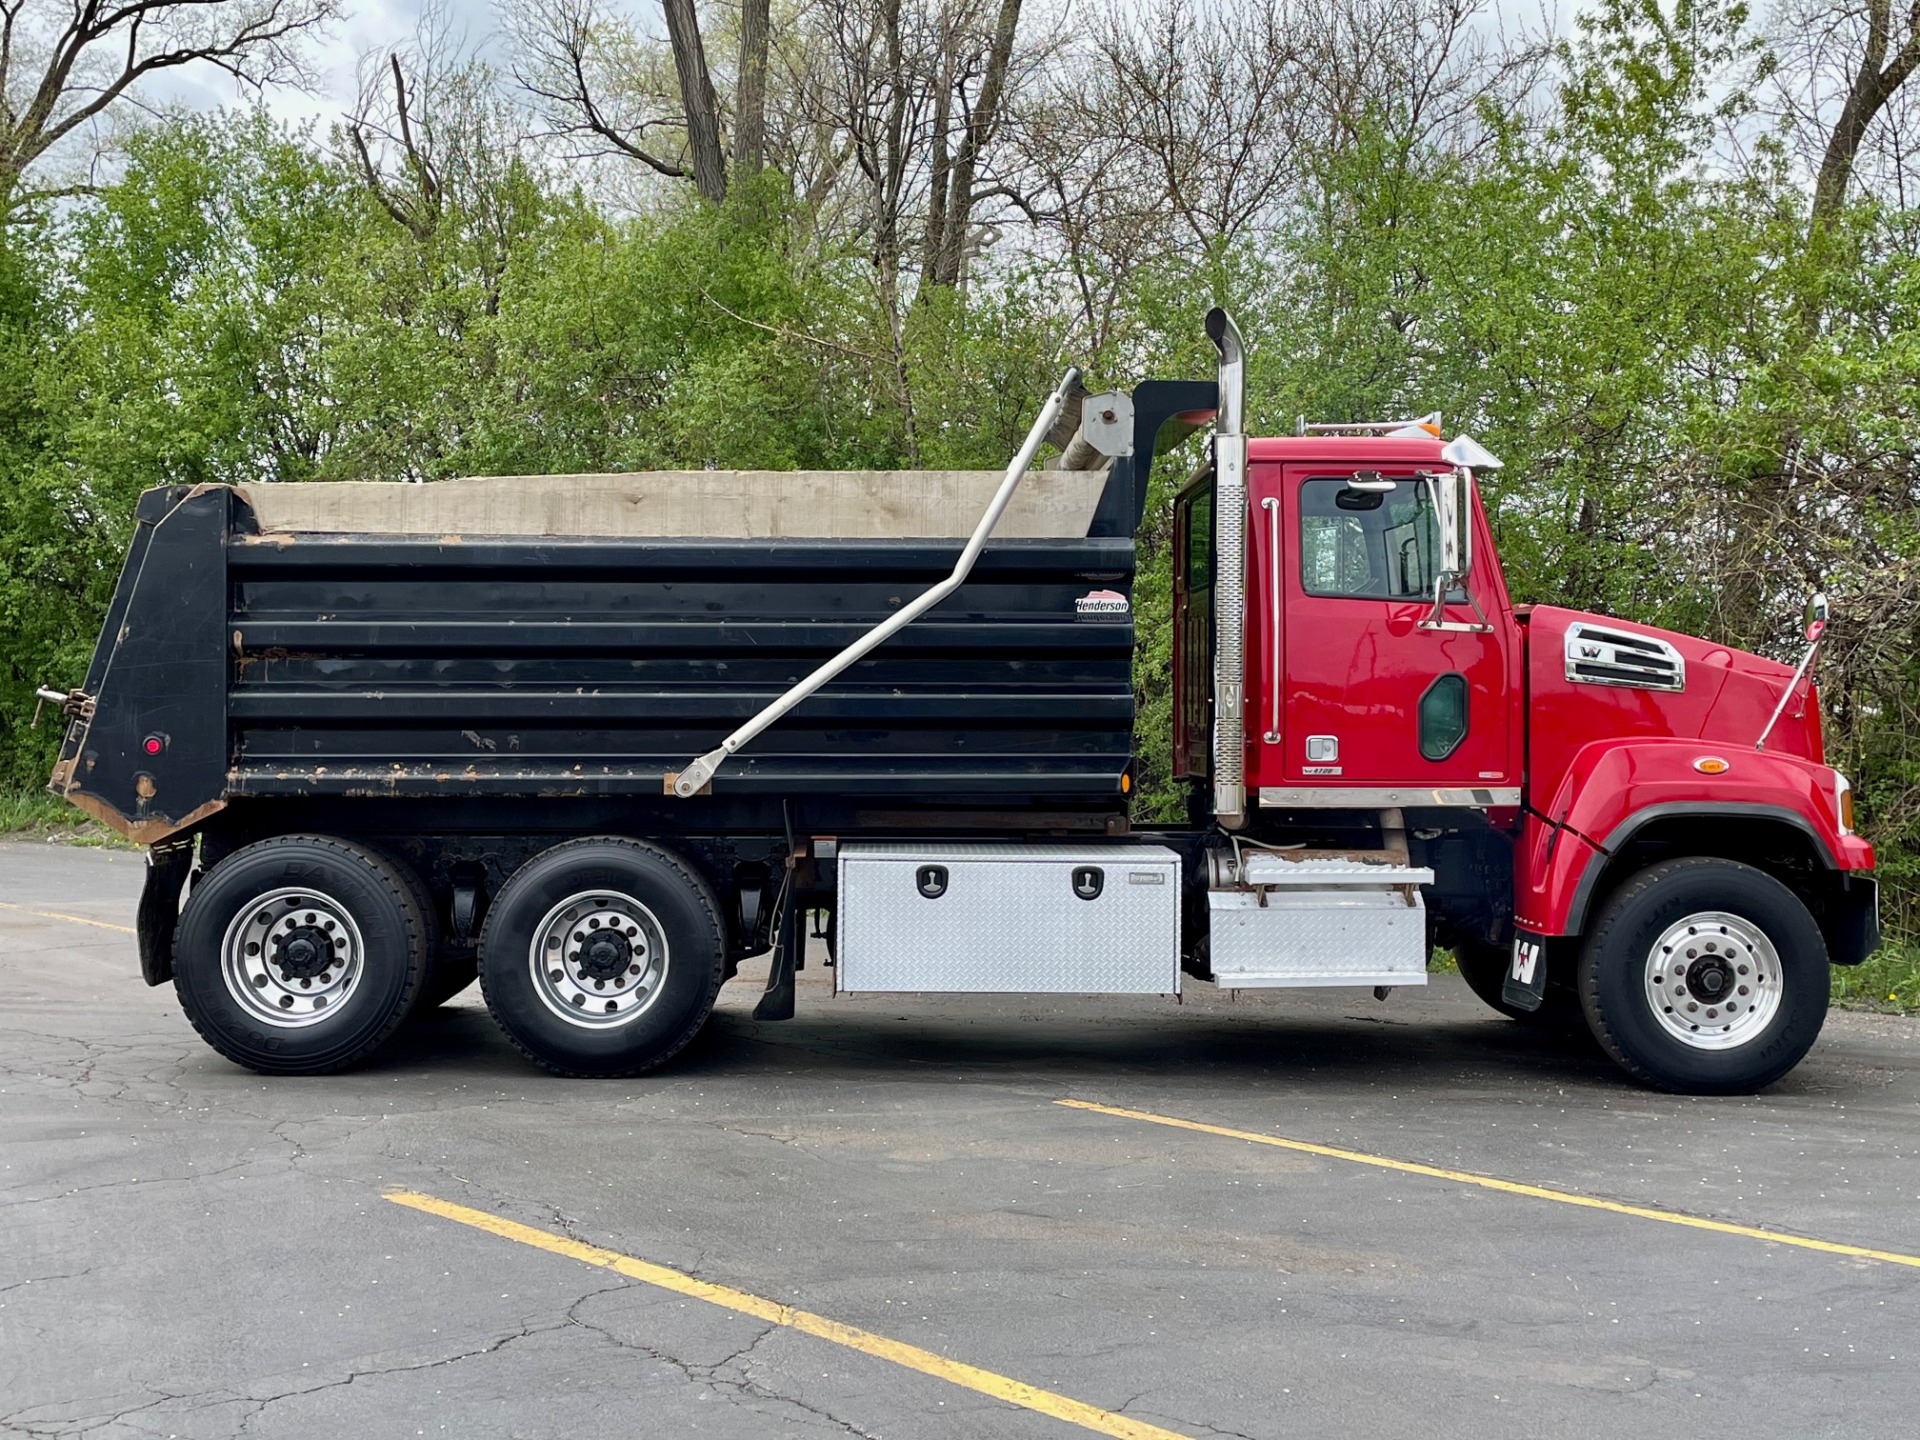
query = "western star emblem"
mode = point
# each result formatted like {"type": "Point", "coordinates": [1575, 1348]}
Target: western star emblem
{"type": "Point", "coordinates": [1526, 956]}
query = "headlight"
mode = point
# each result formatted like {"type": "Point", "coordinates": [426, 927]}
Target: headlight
{"type": "Point", "coordinates": [1843, 802]}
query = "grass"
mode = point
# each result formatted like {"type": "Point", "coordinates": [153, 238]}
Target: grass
{"type": "Point", "coordinates": [34, 814]}
{"type": "Point", "coordinates": [1888, 982]}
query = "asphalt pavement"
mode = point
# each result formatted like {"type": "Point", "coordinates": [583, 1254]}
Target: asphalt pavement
{"type": "Point", "coordinates": [879, 1220]}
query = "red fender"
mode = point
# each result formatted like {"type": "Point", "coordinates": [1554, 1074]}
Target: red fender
{"type": "Point", "coordinates": [1614, 787]}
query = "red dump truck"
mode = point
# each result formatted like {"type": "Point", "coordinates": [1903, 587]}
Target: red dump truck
{"type": "Point", "coordinates": [597, 739]}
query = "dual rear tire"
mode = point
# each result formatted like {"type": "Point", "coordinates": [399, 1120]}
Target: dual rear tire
{"type": "Point", "coordinates": [602, 957]}
{"type": "Point", "coordinates": [303, 953]}
{"type": "Point", "coordinates": [300, 954]}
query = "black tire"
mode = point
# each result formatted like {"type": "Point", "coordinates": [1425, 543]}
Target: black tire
{"type": "Point", "coordinates": [1615, 965]}
{"type": "Point", "coordinates": [450, 968]}
{"type": "Point", "coordinates": [387, 967]}
{"type": "Point", "coordinates": [663, 898]}
{"type": "Point", "coordinates": [1484, 968]}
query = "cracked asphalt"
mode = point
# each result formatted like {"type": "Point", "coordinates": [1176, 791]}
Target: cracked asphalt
{"type": "Point", "coordinates": [187, 1249]}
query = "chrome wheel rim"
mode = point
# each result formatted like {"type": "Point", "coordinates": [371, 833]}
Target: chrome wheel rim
{"type": "Point", "coordinates": [291, 958]}
{"type": "Point", "coordinates": [1714, 980]}
{"type": "Point", "coordinates": [598, 959]}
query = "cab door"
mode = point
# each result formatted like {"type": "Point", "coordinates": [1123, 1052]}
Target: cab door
{"type": "Point", "coordinates": [1368, 695]}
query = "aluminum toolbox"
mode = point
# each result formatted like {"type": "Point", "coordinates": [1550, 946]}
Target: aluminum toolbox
{"type": "Point", "coordinates": [990, 918]}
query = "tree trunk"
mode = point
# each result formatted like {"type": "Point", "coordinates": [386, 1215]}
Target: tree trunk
{"type": "Point", "coordinates": [696, 96]}
{"type": "Point", "coordinates": [750, 101]}
{"type": "Point", "coordinates": [1869, 93]}
{"type": "Point", "coordinates": [945, 268]}
{"type": "Point", "coordinates": [934, 241]}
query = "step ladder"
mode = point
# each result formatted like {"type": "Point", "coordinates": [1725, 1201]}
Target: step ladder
{"type": "Point", "coordinates": [1307, 917]}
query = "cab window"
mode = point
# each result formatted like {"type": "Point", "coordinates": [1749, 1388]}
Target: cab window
{"type": "Point", "coordinates": [1367, 543]}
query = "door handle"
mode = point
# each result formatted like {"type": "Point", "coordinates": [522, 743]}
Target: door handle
{"type": "Point", "coordinates": [1272, 507]}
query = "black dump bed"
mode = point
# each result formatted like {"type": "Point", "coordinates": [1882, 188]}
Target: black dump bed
{"type": "Point", "coordinates": [248, 663]}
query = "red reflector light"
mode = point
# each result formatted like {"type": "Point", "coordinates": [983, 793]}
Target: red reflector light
{"type": "Point", "coordinates": [154, 745]}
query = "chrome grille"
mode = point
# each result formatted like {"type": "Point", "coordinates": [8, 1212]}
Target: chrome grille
{"type": "Point", "coordinates": [1599, 655]}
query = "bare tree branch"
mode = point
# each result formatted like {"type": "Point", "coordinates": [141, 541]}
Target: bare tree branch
{"type": "Point", "coordinates": [58, 75]}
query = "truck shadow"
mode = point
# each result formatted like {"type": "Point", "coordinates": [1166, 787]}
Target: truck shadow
{"type": "Point", "coordinates": [1268, 1050]}
{"type": "Point", "coordinates": [1069, 1049]}
{"type": "Point", "coordinates": [1059, 1049]}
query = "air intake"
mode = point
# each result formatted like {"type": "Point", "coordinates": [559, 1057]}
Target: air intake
{"type": "Point", "coordinates": [1597, 655]}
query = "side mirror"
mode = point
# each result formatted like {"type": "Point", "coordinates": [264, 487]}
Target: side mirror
{"type": "Point", "coordinates": [1451, 492]}
{"type": "Point", "coordinates": [1816, 616]}
{"type": "Point", "coordinates": [1453, 502]}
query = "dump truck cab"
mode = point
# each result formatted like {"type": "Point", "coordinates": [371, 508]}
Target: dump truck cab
{"type": "Point", "coordinates": [1376, 679]}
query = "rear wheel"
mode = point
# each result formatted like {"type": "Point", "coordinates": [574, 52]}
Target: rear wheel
{"type": "Point", "coordinates": [1705, 977]}
{"type": "Point", "coordinates": [602, 956]}
{"type": "Point", "coordinates": [451, 968]}
{"type": "Point", "coordinates": [298, 955]}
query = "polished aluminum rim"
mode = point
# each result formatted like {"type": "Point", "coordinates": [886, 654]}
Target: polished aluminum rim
{"type": "Point", "coordinates": [291, 958]}
{"type": "Point", "coordinates": [1714, 980]}
{"type": "Point", "coordinates": [598, 959]}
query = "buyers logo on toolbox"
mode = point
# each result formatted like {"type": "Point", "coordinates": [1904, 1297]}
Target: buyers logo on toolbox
{"type": "Point", "coordinates": [1101, 604]}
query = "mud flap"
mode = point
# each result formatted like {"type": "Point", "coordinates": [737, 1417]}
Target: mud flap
{"type": "Point", "coordinates": [1525, 987]}
{"type": "Point", "coordinates": [776, 1003]}
{"type": "Point", "coordinates": [168, 865]}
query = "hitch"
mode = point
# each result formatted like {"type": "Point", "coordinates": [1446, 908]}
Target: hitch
{"type": "Point", "coordinates": [75, 704]}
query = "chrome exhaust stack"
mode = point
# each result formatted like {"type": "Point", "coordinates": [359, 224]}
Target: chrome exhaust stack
{"type": "Point", "coordinates": [1229, 574]}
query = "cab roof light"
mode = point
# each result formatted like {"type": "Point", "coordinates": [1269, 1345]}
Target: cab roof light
{"type": "Point", "coordinates": [1428, 425]}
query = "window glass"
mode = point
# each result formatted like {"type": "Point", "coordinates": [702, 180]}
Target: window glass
{"type": "Point", "coordinates": [1200, 541]}
{"type": "Point", "coordinates": [1443, 716]}
{"type": "Point", "coordinates": [1378, 544]}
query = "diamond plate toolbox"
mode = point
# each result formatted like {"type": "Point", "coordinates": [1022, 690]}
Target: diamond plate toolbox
{"type": "Point", "coordinates": [1085, 919]}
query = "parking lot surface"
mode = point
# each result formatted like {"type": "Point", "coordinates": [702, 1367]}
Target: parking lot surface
{"type": "Point", "coordinates": [878, 1220]}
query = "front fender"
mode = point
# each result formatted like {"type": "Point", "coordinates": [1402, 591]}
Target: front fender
{"type": "Point", "coordinates": [1613, 788]}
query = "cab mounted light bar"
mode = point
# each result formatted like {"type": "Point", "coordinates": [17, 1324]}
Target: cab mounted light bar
{"type": "Point", "coordinates": [698, 773]}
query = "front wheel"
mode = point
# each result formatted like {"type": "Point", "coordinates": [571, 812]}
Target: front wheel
{"type": "Point", "coordinates": [1705, 977]}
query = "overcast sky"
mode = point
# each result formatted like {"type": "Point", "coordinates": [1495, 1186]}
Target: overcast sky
{"type": "Point", "coordinates": [378, 25]}
{"type": "Point", "coordinates": [369, 25]}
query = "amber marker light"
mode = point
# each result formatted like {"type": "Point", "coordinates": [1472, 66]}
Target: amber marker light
{"type": "Point", "coordinates": [1711, 765]}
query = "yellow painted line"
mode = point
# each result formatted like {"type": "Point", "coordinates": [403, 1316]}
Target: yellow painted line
{"type": "Point", "coordinates": [912, 1357]}
{"type": "Point", "coordinates": [1506, 1187]}
{"type": "Point", "coordinates": [73, 919]}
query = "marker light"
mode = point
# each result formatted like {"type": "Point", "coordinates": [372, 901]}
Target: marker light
{"type": "Point", "coordinates": [153, 744]}
{"type": "Point", "coordinates": [1711, 765]}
